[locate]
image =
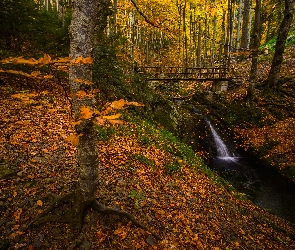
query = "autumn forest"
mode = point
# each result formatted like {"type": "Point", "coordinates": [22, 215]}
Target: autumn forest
{"type": "Point", "coordinates": [135, 124]}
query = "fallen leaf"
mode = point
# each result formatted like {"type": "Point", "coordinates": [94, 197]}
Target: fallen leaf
{"type": "Point", "coordinates": [86, 113]}
{"type": "Point", "coordinates": [40, 203]}
{"type": "Point", "coordinates": [114, 122]}
{"type": "Point", "coordinates": [74, 139]}
{"type": "Point", "coordinates": [112, 117]}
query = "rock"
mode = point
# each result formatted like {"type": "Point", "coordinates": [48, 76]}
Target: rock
{"type": "Point", "coordinates": [86, 245]}
{"type": "Point", "coordinates": [151, 240]}
{"type": "Point", "coordinates": [280, 159]}
{"type": "Point", "coordinates": [37, 243]}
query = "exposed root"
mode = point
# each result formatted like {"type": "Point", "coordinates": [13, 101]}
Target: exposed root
{"type": "Point", "coordinates": [75, 214]}
{"type": "Point", "coordinates": [103, 209]}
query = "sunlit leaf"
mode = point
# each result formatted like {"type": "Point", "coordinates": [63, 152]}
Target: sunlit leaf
{"type": "Point", "coordinates": [88, 60]}
{"type": "Point", "coordinates": [74, 139]}
{"type": "Point", "coordinates": [118, 104]}
{"type": "Point", "coordinates": [114, 122]}
{"type": "Point", "coordinates": [83, 81]}
{"type": "Point", "coordinates": [39, 203]}
{"type": "Point", "coordinates": [112, 117]}
{"type": "Point", "coordinates": [99, 121]}
{"type": "Point", "coordinates": [86, 112]}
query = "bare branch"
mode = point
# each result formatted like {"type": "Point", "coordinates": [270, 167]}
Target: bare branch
{"type": "Point", "coordinates": [143, 15]}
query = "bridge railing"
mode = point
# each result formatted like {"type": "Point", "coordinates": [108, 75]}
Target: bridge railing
{"type": "Point", "coordinates": [194, 73]}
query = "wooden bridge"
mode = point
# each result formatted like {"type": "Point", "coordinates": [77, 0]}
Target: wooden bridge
{"type": "Point", "coordinates": [156, 73]}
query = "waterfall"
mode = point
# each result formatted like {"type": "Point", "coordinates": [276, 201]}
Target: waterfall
{"type": "Point", "coordinates": [222, 150]}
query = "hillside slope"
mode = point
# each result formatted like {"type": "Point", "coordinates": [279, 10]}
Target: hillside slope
{"type": "Point", "coordinates": [144, 170]}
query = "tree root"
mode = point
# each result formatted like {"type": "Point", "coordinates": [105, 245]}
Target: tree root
{"type": "Point", "coordinates": [75, 215]}
{"type": "Point", "coordinates": [103, 209]}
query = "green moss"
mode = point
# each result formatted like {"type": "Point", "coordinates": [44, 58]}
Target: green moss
{"type": "Point", "coordinates": [173, 167]}
{"type": "Point", "coordinates": [289, 171]}
{"type": "Point", "coordinates": [5, 170]}
{"type": "Point", "coordinates": [105, 133]}
{"type": "Point", "coordinates": [137, 196]}
{"type": "Point", "coordinates": [143, 159]}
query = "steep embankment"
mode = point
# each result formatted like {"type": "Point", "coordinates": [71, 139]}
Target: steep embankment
{"type": "Point", "coordinates": [265, 128]}
{"type": "Point", "coordinates": [144, 170]}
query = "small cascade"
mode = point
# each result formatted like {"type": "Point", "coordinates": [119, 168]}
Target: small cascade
{"type": "Point", "coordinates": [222, 150]}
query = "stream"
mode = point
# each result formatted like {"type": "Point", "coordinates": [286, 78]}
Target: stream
{"type": "Point", "coordinates": [265, 187]}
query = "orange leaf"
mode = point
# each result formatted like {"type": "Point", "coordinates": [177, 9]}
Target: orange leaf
{"type": "Point", "coordinates": [86, 112]}
{"type": "Point", "coordinates": [83, 81]}
{"type": "Point", "coordinates": [118, 104]}
{"type": "Point", "coordinates": [116, 122]}
{"type": "Point", "coordinates": [121, 231]}
{"type": "Point", "coordinates": [101, 236]}
{"type": "Point", "coordinates": [81, 94]}
{"type": "Point", "coordinates": [99, 121]}
{"type": "Point", "coordinates": [135, 104]}
{"type": "Point", "coordinates": [40, 203]}
{"type": "Point", "coordinates": [44, 60]}
{"type": "Point", "coordinates": [88, 60]}
{"type": "Point", "coordinates": [13, 235]}
{"type": "Point", "coordinates": [112, 117]}
{"type": "Point", "coordinates": [74, 139]}
{"type": "Point", "coordinates": [63, 60]}
{"type": "Point", "coordinates": [78, 60]}
{"type": "Point", "coordinates": [17, 214]}
{"type": "Point", "coordinates": [48, 76]}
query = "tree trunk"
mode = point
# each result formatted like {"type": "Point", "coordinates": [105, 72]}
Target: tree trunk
{"type": "Point", "coordinates": [185, 57]}
{"type": "Point", "coordinates": [283, 31]}
{"type": "Point", "coordinates": [239, 24]}
{"type": "Point", "coordinates": [245, 27]}
{"type": "Point", "coordinates": [256, 43]}
{"type": "Point", "coordinates": [82, 44]}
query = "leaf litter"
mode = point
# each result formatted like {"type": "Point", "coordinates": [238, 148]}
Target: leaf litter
{"type": "Point", "coordinates": [186, 207]}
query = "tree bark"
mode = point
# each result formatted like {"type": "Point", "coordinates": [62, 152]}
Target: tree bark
{"type": "Point", "coordinates": [245, 27]}
{"type": "Point", "coordinates": [82, 44]}
{"type": "Point", "coordinates": [239, 24]}
{"type": "Point", "coordinates": [283, 31]}
{"type": "Point", "coordinates": [255, 48]}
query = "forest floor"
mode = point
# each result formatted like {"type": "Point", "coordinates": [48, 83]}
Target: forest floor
{"type": "Point", "coordinates": [144, 170]}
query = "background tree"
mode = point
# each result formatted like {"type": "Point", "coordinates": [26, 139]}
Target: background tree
{"type": "Point", "coordinates": [25, 28]}
{"type": "Point", "coordinates": [255, 50]}
{"type": "Point", "coordinates": [245, 26]}
{"type": "Point", "coordinates": [283, 31]}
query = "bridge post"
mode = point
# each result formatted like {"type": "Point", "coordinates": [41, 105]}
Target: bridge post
{"type": "Point", "coordinates": [218, 85]}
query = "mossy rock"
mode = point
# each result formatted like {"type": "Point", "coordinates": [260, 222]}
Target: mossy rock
{"type": "Point", "coordinates": [5, 170]}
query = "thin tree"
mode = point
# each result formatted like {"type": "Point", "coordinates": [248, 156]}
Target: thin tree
{"type": "Point", "coordinates": [245, 26]}
{"type": "Point", "coordinates": [239, 25]}
{"type": "Point", "coordinates": [85, 16]}
{"type": "Point", "coordinates": [283, 31]}
{"type": "Point", "coordinates": [255, 50]}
